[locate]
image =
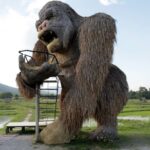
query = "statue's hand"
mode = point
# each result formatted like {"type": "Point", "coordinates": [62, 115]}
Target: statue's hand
{"type": "Point", "coordinates": [37, 74]}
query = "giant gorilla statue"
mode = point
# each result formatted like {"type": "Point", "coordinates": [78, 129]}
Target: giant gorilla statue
{"type": "Point", "coordinates": [91, 85]}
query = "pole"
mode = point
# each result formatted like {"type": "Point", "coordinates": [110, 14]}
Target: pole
{"type": "Point", "coordinates": [37, 113]}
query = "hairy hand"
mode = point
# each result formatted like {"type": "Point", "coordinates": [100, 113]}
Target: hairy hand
{"type": "Point", "coordinates": [37, 74]}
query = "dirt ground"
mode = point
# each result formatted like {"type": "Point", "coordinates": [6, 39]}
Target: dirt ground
{"type": "Point", "coordinates": [25, 142]}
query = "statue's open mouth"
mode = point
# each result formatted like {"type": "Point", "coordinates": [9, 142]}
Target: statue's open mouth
{"type": "Point", "coordinates": [51, 40]}
{"type": "Point", "coordinates": [47, 36]}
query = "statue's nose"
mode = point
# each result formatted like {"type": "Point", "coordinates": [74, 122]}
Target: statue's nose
{"type": "Point", "coordinates": [43, 25]}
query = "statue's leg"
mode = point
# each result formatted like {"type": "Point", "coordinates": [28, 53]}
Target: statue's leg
{"type": "Point", "coordinates": [110, 103]}
{"type": "Point", "coordinates": [67, 126]}
{"type": "Point", "coordinates": [106, 129]}
{"type": "Point", "coordinates": [54, 133]}
{"type": "Point", "coordinates": [61, 131]}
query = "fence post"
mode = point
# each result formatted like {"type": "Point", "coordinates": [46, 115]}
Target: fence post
{"type": "Point", "coordinates": [37, 113]}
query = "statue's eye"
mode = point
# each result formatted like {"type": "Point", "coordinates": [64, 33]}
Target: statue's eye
{"type": "Point", "coordinates": [49, 16]}
{"type": "Point", "coordinates": [37, 23]}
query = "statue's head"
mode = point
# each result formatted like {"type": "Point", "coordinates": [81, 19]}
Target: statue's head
{"type": "Point", "coordinates": [55, 26]}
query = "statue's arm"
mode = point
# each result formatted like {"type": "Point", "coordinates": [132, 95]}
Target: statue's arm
{"type": "Point", "coordinates": [30, 74]}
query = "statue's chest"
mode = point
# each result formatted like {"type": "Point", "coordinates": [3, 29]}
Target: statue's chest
{"type": "Point", "coordinates": [66, 77]}
{"type": "Point", "coordinates": [67, 72]}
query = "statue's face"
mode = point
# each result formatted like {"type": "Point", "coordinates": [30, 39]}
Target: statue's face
{"type": "Point", "coordinates": [54, 27]}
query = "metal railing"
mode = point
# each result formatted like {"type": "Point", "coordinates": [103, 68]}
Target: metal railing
{"type": "Point", "coordinates": [46, 103]}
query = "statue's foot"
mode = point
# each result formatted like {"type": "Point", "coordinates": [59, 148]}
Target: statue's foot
{"type": "Point", "coordinates": [54, 133]}
{"type": "Point", "coordinates": [104, 134]}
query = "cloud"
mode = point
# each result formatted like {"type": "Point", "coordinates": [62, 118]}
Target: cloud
{"type": "Point", "coordinates": [17, 31]}
{"type": "Point", "coordinates": [109, 2]}
{"type": "Point", "coordinates": [14, 28]}
{"type": "Point", "coordinates": [36, 5]}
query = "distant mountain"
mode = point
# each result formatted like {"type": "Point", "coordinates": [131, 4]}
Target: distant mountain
{"type": "Point", "coordinates": [6, 88]}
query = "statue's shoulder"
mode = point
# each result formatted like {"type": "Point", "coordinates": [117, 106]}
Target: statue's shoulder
{"type": "Point", "coordinates": [99, 21]}
{"type": "Point", "coordinates": [100, 17]}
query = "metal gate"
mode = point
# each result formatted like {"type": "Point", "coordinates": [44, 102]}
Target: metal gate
{"type": "Point", "coordinates": [46, 103]}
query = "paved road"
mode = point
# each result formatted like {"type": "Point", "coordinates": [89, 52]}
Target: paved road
{"type": "Point", "coordinates": [25, 142]}
{"type": "Point", "coordinates": [20, 142]}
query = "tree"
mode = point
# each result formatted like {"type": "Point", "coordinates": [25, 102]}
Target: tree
{"type": "Point", "coordinates": [6, 95]}
{"type": "Point", "coordinates": [16, 97]}
{"type": "Point", "coordinates": [133, 95]}
{"type": "Point", "coordinates": [143, 93]}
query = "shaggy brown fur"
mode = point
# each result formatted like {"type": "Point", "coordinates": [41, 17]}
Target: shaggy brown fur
{"type": "Point", "coordinates": [91, 85]}
{"type": "Point", "coordinates": [39, 58]}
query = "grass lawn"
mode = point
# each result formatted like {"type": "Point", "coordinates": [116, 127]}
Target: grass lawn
{"type": "Point", "coordinates": [136, 108]}
{"type": "Point", "coordinates": [132, 133]}
{"type": "Point", "coordinates": [17, 110]}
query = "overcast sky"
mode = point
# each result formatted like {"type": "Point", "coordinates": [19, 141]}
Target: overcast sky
{"type": "Point", "coordinates": [132, 50]}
